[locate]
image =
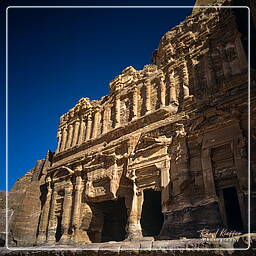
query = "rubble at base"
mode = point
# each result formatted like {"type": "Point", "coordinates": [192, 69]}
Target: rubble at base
{"type": "Point", "coordinates": [191, 247]}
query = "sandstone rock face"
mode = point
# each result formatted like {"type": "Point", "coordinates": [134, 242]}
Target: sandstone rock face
{"type": "Point", "coordinates": [24, 207]}
{"type": "Point", "coordinates": [163, 156]}
{"type": "Point", "coordinates": [2, 217]}
{"type": "Point", "coordinates": [23, 212]}
{"type": "Point", "coordinates": [23, 226]}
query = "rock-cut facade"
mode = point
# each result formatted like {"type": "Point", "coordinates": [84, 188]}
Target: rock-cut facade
{"type": "Point", "coordinates": [163, 156]}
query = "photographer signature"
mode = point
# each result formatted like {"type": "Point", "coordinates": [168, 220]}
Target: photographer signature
{"type": "Point", "coordinates": [206, 233]}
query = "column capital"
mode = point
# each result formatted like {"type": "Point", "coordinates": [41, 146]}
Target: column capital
{"type": "Point", "coordinates": [69, 189]}
{"type": "Point", "coordinates": [48, 180]}
{"type": "Point", "coordinates": [77, 122]}
{"type": "Point", "coordinates": [162, 77]}
{"type": "Point", "coordinates": [97, 108]}
{"type": "Point", "coordinates": [161, 80]}
{"type": "Point", "coordinates": [89, 117]}
{"type": "Point", "coordinates": [69, 184]}
{"type": "Point", "coordinates": [147, 83]}
{"type": "Point", "coordinates": [59, 132]}
{"type": "Point", "coordinates": [78, 169]}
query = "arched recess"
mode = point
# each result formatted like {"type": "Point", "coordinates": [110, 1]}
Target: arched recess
{"type": "Point", "coordinates": [62, 172]}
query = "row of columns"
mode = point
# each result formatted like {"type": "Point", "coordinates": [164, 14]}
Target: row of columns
{"type": "Point", "coordinates": [70, 215]}
{"type": "Point", "coordinates": [84, 129]}
{"type": "Point", "coordinates": [78, 132]}
{"type": "Point", "coordinates": [149, 97]}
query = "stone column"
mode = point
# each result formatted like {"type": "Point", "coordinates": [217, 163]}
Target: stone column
{"type": "Point", "coordinates": [165, 182]}
{"type": "Point", "coordinates": [70, 135]}
{"type": "Point", "coordinates": [114, 182]}
{"type": "Point", "coordinates": [95, 123]}
{"type": "Point", "coordinates": [59, 136]}
{"type": "Point", "coordinates": [117, 110]}
{"type": "Point", "coordinates": [173, 96]}
{"type": "Point", "coordinates": [135, 103]}
{"type": "Point", "coordinates": [64, 138]}
{"type": "Point", "coordinates": [241, 53]}
{"type": "Point", "coordinates": [209, 184]}
{"type": "Point", "coordinates": [42, 230]}
{"type": "Point", "coordinates": [66, 215]}
{"type": "Point", "coordinates": [77, 202]}
{"type": "Point", "coordinates": [105, 119]}
{"type": "Point", "coordinates": [148, 97]}
{"type": "Point", "coordinates": [82, 131]}
{"type": "Point", "coordinates": [78, 235]}
{"type": "Point", "coordinates": [75, 137]}
{"type": "Point", "coordinates": [162, 92]}
{"type": "Point", "coordinates": [52, 220]}
{"type": "Point", "coordinates": [89, 127]}
{"type": "Point", "coordinates": [134, 231]}
{"type": "Point", "coordinates": [209, 73]}
{"type": "Point", "coordinates": [185, 73]}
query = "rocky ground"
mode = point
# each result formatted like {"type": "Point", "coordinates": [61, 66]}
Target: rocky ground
{"type": "Point", "coordinates": [193, 247]}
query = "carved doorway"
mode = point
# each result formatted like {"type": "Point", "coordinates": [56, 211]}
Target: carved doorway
{"type": "Point", "coordinates": [151, 217]}
{"type": "Point", "coordinates": [115, 219]}
{"type": "Point", "coordinates": [232, 209]}
{"type": "Point", "coordinates": [58, 233]}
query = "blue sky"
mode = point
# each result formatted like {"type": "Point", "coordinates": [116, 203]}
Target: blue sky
{"type": "Point", "coordinates": [57, 56]}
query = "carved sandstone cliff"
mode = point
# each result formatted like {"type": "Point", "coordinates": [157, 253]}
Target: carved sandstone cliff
{"type": "Point", "coordinates": [163, 156]}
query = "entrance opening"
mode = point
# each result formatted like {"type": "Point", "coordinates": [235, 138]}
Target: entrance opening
{"type": "Point", "coordinates": [151, 217]}
{"type": "Point", "coordinates": [2, 242]}
{"type": "Point", "coordinates": [58, 229]}
{"type": "Point", "coordinates": [115, 219]}
{"type": "Point", "coordinates": [233, 213]}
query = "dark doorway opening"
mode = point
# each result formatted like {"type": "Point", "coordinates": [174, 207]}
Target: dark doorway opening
{"type": "Point", "coordinates": [115, 219]}
{"type": "Point", "coordinates": [151, 217]}
{"type": "Point", "coordinates": [233, 213]}
{"type": "Point", "coordinates": [58, 233]}
{"type": "Point", "coordinates": [2, 242]}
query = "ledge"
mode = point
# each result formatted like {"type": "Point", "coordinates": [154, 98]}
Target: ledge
{"type": "Point", "coordinates": [196, 247]}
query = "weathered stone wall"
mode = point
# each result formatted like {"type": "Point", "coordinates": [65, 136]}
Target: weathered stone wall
{"type": "Point", "coordinates": [178, 126]}
{"type": "Point", "coordinates": [24, 223]}
{"type": "Point", "coordinates": [24, 207]}
{"type": "Point", "coordinates": [2, 217]}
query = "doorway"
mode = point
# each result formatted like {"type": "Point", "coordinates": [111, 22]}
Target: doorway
{"type": "Point", "coordinates": [152, 217]}
{"type": "Point", "coordinates": [115, 219]}
{"type": "Point", "coordinates": [232, 208]}
{"type": "Point", "coordinates": [58, 233]}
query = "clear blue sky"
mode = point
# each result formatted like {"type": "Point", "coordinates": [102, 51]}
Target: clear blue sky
{"type": "Point", "coordinates": [57, 56]}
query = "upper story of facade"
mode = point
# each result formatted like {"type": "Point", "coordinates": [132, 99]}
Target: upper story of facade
{"type": "Point", "coordinates": [195, 61]}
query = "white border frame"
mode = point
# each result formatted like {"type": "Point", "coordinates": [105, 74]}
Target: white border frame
{"type": "Point", "coordinates": [39, 248]}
